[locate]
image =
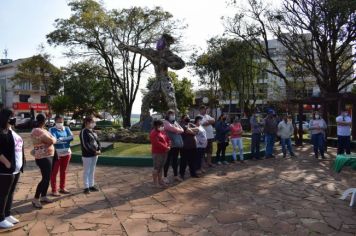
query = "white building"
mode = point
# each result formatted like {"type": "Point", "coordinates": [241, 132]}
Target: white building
{"type": "Point", "coordinates": [20, 97]}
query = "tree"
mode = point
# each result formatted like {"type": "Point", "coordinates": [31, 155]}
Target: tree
{"type": "Point", "coordinates": [183, 92]}
{"type": "Point", "coordinates": [101, 33]}
{"type": "Point", "coordinates": [85, 90]}
{"type": "Point", "coordinates": [40, 73]}
{"type": "Point", "coordinates": [318, 36]}
{"type": "Point", "coordinates": [230, 65]}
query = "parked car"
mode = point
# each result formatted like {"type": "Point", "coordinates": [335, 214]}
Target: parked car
{"type": "Point", "coordinates": [23, 123]}
{"type": "Point", "coordinates": [50, 122]}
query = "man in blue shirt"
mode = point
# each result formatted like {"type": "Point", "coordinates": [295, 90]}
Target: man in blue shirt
{"type": "Point", "coordinates": [62, 156]}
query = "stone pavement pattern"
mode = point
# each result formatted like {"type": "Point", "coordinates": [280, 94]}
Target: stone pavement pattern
{"type": "Point", "coordinates": [268, 197]}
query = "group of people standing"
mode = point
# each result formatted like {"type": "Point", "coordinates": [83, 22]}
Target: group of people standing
{"type": "Point", "coordinates": [52, 153]}
{"type": "Point", "coordinates": [193, 140]}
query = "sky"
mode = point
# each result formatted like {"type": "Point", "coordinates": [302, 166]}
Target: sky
{"type": "Point", "coordinates": [25, 23]}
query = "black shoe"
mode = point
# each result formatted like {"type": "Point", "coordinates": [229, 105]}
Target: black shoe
{"type": "Point", "coordinates": [322, 157]}
{"type": "Point", "coordinates": [195, 176]}
{"type": "Point", "coordinates": [316, 156]}
{"type": "Point", "coordinates": [284, 155]}
{"type": "Point", "coordinates": [94, 189]}
{"type": "Point", "coordinates": [292, 155]}
{"type": "Point", "coordinates": [87, 191]}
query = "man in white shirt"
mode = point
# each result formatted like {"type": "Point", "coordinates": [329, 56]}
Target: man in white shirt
{"type": "Point", "coordinates": [344, 123]}
{"type": "Point", "coordinates": [207, 124]}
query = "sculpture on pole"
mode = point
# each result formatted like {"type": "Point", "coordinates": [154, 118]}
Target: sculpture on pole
{"type": "Point", "coordinates": [162, 58]}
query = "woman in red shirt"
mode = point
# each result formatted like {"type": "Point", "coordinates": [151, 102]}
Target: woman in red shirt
{"type": "Point", "coordinates": [160, 147]}
{"type": "Point", "coordinates": [236, 139]}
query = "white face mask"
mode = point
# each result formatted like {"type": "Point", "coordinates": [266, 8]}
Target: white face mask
{"type": "Point", "coordinates": [317, 116]}
{"type": "Point", "coordinates": [59, 125]}
{"type": "Point", "coordinates": [172, 118]}
{"type": "Point", "coordinates": [200, 122]}
{"type": "Point", "coordinates": [161, 128]}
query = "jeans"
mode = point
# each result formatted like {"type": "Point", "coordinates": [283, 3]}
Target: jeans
{"type": "Point", "coordinates": [318, 143]}
{"type": "Point", "coordinates": [89, 164]}
{"type": "Point", "coordinates": [45, 165]}
{"type": "Point", "coordinates": [343, 144]}
{"type": "Point", "coordinates": [237, 142]}
{"type": "Point", "coordinates": [269, 144]}
{"type": "Point", "coordinates": [288, 142]}
{"type": "Point", "coordinates": [220, 152]}
{"type": "Point", "coordinates": [172, 157]}
{"type": "Point", "coordinates": [8, 186]}
{"type": "Point", "coordinates": [61, 165]}
{"type": "Point", "coordinates": [255, 145]}
{"type": "Point", "coordinates": [188, 157]}
{"type": "Point", "coordinates": [200, 157]}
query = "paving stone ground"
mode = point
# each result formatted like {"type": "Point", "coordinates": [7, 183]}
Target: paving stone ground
{"type": "Point", "coordinates": [268, 197]}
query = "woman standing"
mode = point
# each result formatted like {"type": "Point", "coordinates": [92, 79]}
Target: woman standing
{"type": "Point", "coordinates": [43, 151]}
{"type": "Point", "coordinates": [317, 127]}
{"type": "Point", "coordinates": [91, 147]}
{"type": "Point", "coordinates": [64, 136]}
{"type": "Point", "coordinates": [221, 137]}
{"type": "Point", "coordinates": [174, 131]}
{"type": "Point", "coordinates": [12, 160]}
{"type": "Point", "coordinates": [236, 139]}
{"type": "Point", "coordinates": [202, 143]}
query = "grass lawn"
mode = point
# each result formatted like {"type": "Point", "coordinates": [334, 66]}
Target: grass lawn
{"type": "Point", "coordinates": [139, 150]}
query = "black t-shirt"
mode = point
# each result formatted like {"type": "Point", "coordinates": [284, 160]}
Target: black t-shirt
{"type": "Point", "coordinates": [189, 140]}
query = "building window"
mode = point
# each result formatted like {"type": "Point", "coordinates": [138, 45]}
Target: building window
{"type": "Point", "coordinates": [24, 85]}
{"type": "Point", "coordinates": [24, 97]}
{"type": "Point", "coordinates": [43, 99]}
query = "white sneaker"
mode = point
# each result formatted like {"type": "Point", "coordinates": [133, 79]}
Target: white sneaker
{"type": "Point", "coordinates": [6, 224]}
{"type": "Point", "coordinates": [165, 180]}
{"type": "Point", "coordinates": [12, 220]}
{"type": "Point", "coordinates": [219, 163]}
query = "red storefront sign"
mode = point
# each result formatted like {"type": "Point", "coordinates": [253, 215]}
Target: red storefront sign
{"type": "Point", "coordinates": [27, 106]}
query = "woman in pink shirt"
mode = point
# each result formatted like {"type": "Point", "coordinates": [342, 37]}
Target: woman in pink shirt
{"type": "Point", "coordinates": [236, 139]}
{"type": "Point", "coordinates": [43, 151]}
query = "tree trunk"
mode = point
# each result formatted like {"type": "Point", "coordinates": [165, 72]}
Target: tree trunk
{"type": "Point", "coordinates": [126, 117]}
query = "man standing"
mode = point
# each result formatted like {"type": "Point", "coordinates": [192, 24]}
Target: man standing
{"type": "Point", "coordinates": [285, 131]}
{"type": "Point", "coordinates": [256, 123]}
{"type": "Point", "coordinates": [270, 131]}
{"type": "Point", "coordinates": [343, 132]}
{"type": "Point", "coordinates": [207, 124]}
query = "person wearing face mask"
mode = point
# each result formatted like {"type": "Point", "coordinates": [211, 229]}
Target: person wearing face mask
{"type": "Point", "coordinates": [202, 143]}
{"type": "Point", "coordinates": [221, 137]}
{"type": "Point", "coordinates": [188, 152]}
{"type": "Point", "coordinates": [12, 161]}
{"type": "Point", "coordinates": [91, 148]}
{"type": "Point", "coordinates": [285, 131]}
{"type": "Point", "coordinates": [43, 151]}
{"type": "Point", "coordinates": [236, 139]}
{"type": "Point", "coordinates": [160, 147]}
{"type": "Point", "coordinates": [64, 136]}
{"type": "Point", "coordinates": [344, 123]}
{"type": "Point", "coordinates": [207, 124]}
{"type": "Point", "coordinates": [317, 127]}
{"type": "Point", "coordinates": [174, 131]}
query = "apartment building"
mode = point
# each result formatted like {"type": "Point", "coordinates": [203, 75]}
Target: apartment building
{"type": "Point", "coordinates": [21, 97]}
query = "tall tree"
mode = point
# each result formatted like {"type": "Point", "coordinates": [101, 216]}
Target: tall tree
{"type": "Point", "coordinates": [318, 35]}
{"type": "Point", "coordinates": [94, 31]}
{"type": "Point", "coordinates": [85, 90]}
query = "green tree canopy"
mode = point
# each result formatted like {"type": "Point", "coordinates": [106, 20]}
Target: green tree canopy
{"type": "Point", "coordinates": [93, 31]}
{"type": "Point", "coordinates": [183, 91]}
{"type": "Point", "coordinates": [85, 90]}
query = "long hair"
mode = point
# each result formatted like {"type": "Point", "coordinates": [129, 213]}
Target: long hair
{"type": "Point", "coordinates": [86, 120]}
{"type": "Point", "coordinates": [5, 115]}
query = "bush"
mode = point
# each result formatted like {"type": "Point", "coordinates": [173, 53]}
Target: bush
{"type": "Point", "coordinates": [123, 135]}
